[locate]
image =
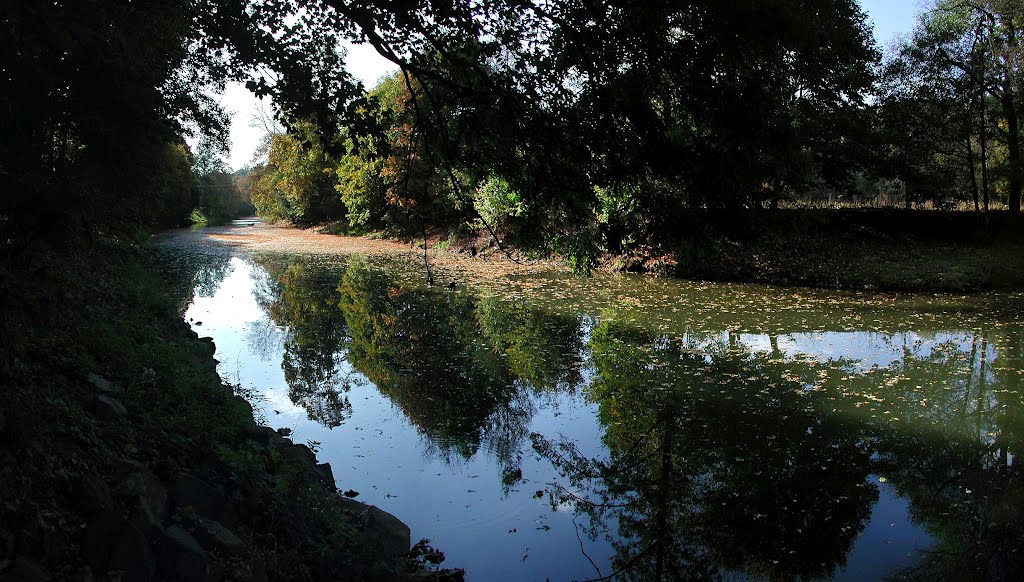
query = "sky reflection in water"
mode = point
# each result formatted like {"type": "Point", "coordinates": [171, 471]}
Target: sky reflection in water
{"type": "Point", "coordinates": [565, 429]}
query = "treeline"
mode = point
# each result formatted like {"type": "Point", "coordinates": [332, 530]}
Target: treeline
{"type": "Point", "coordinates": [567, 127]}
{"type": "Point", "coordinates": [612, 135]}
{"type": "Point", "coordinates": [195, 188]}
{"type": "Point", "coordinates": [949, 106]}
{"type": "Point", "coordinates": [97, 100]}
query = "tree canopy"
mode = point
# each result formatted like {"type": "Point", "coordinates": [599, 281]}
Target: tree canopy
{"type": "Point", "coordinates": [562, 125]}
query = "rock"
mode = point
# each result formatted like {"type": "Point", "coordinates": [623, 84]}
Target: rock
{"type": "Point", "coordinates": [98, 539]}
{"type": "Point", "coordinates": [181, 557]}
{"type": "Point", "coordinates": [112, 543]}
{"type": "Point", "coordinates": [244, 404]}
{"type": "Point", "coordinates": [56, 545]}
{"type": "Point", "coordinates": [25, 569]}
{"type": "Point", "coordinates": [146, 493]}
{"type": "Point", "coordinates": [205, 499]}
{"type": "Point", "coordinates": [208, 347]}
{"type": "Point", "coordinates": [258, 571]}
{"type": "Point", "coordinates": [325, 471]}
{"type": "Point", "coordinates": [386, 537]}
{"type": "Point", "coordinates": [108, 408]}
{"type": "Point", "coordinates": [6, 543]}
{"type": "Point", "coordinates": [212, 535]}
{"type": "Point", "coordinates": [246, 503]}
{"type": "Point", "coordinates": [264, 435]}
{"type": "Point", "coordinates": [299, 454]}
{"type": "Point", "coordinates": [102, 384]}
{"type": "Point", "coordinates": [92, 494]}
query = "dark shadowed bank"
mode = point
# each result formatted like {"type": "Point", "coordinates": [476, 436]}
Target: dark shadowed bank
{"type": "Point", "coordinates": [123, 455]}
{"type": "Point", "coordinates": [859, 249]}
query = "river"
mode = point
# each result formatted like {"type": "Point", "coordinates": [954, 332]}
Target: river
{"type": "Point", "coordinates": [538, 426]}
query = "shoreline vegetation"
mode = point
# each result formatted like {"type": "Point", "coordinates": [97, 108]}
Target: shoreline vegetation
{"type": "Point", "coordinates": [569, 130]}
{"type": "Point", "coordinates": [125, 456]}
{"type": "Point", "coordinates": [886, 250]}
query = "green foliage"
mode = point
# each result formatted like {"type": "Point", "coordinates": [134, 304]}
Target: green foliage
{"type": "Point", "coordinates": [497, 203]}
{"type": "Point", "coordinates": [296, 183]}
{"type": "Point", "coordinates": [949, 113]}
{"type": "Point", "coordinates": [362, 189]}
{"type": "Point", "coordinates": [95, 92]}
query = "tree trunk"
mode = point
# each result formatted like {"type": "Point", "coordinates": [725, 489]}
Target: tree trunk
{"type": "Point", "coordinates": [983, 138]}
{"type": "Point", "coordinates": [1012, 124]}
{"type": "Point", "coordinates": [969, 150]}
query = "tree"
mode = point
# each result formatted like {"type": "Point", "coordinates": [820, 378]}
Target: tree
{"type": "Point", "coordinates": [296, 183]}
{"type": "Point", "coordinates": [953, 87]}
{"type": "Point", "coordinates": [94, 92]}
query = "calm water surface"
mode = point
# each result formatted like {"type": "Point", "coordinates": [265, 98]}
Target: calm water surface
{"type": "Point", "coordinates": [545, 427]}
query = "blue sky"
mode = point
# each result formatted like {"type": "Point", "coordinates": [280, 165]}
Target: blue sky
{"type": "Point", "coordinates": [890, 17]}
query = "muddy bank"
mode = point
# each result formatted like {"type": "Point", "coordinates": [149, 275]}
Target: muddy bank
{"type": "Point", "coordinates": [444, 265]}
{"type": "Point", "coordinates": [883, 250]}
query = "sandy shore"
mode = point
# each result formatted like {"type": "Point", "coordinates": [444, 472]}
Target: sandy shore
{"type": "Point", "coordinates": [255, 236]}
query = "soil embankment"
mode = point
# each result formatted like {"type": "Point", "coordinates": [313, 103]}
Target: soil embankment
{"type": "Point", "coordinates": [123, 455]}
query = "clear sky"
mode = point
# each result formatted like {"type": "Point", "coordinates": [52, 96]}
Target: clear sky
{"type": "Point", "coordinates": [889, 17]}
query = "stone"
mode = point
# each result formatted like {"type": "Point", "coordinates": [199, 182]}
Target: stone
{"type": "Point", "coordinates": [205, 499]}
{"type": "Point", "coordinates": [92, 494]}
{"type": "Point", "coordinates": [207, 344]}
{"type": "Point", "coordinates": [212, 535]}
{"type": "Point", "coordinates": [108, 408]}
{"type": "Point", "coordinates": [264, 435]}
{"type": "Point", "coordinates": [99, 537]}
{"type": "Point", "coordinates": [112, 543]}
{"type": "Point", "coordinates": [325, 471]}
{"type": "Point", "coordinates": [25, 569]}
{"type": "Point", "coordinates": [392, 536]}
{"type": "Point", "coordinates": [386, 537]}
{"type": "Point", "coordinates": [102, 384]}
{"type": "Point", "coordinates": [297, 453]}
{"type": "Point", "coordinates": [246, 503]}
{"type": "Point", "coordinates": [6, 542]}
{"type": "Point", "coordinates": [147, 495]}
{"type": "Point", "coordinates": [56, 545]}
{"type": "Point", "coordinates": [133, 557]}
{"type": "Point", "coordinates": [181, 557]}
{"type": "Point", "coordinates": [258, 571]}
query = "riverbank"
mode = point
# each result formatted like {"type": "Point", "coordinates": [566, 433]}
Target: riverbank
{"type": "Point", "coordinates": [124, 455]}
{"type": "Point", "coordinates": [884, 250]}
{"type": "Point", "coordinates": [874, 250]}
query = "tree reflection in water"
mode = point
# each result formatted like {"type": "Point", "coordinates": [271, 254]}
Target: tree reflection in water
{"type": "Point", "coordinates": [722, 457]}
{"type": "Point", "coordinates": [725, 459]}
{"type": "Point", "coordinates": [463, 369]}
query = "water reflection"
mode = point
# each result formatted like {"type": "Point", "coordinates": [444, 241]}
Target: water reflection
{"type": "Point", "coordinates": [736, 442]}
{"type": "Point", "coordinates": [724, 459]}
{"type": "Point", "coordinates": [461, 367]}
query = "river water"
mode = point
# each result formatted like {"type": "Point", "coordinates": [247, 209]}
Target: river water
{"type": "Point", "coordinates": [544, 427]}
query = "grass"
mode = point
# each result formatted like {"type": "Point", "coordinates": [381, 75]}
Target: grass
{"type": "Point", "coordinates": [890, 250]}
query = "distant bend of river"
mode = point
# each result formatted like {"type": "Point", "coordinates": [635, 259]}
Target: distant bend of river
{"type": "Point", "coordinates": [538, 426]}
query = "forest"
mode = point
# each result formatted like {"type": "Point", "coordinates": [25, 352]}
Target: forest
{"type": "Point", "coordinates": [838, 336]}
{"type": "Point", "coordinates": [574, 128]}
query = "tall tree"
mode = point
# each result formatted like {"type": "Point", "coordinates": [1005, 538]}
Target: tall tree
{"type": "Point", "coordinates": [964, 56]}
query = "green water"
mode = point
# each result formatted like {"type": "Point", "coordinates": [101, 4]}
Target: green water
{"type": "Point", "coordinates": [543, 426]}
